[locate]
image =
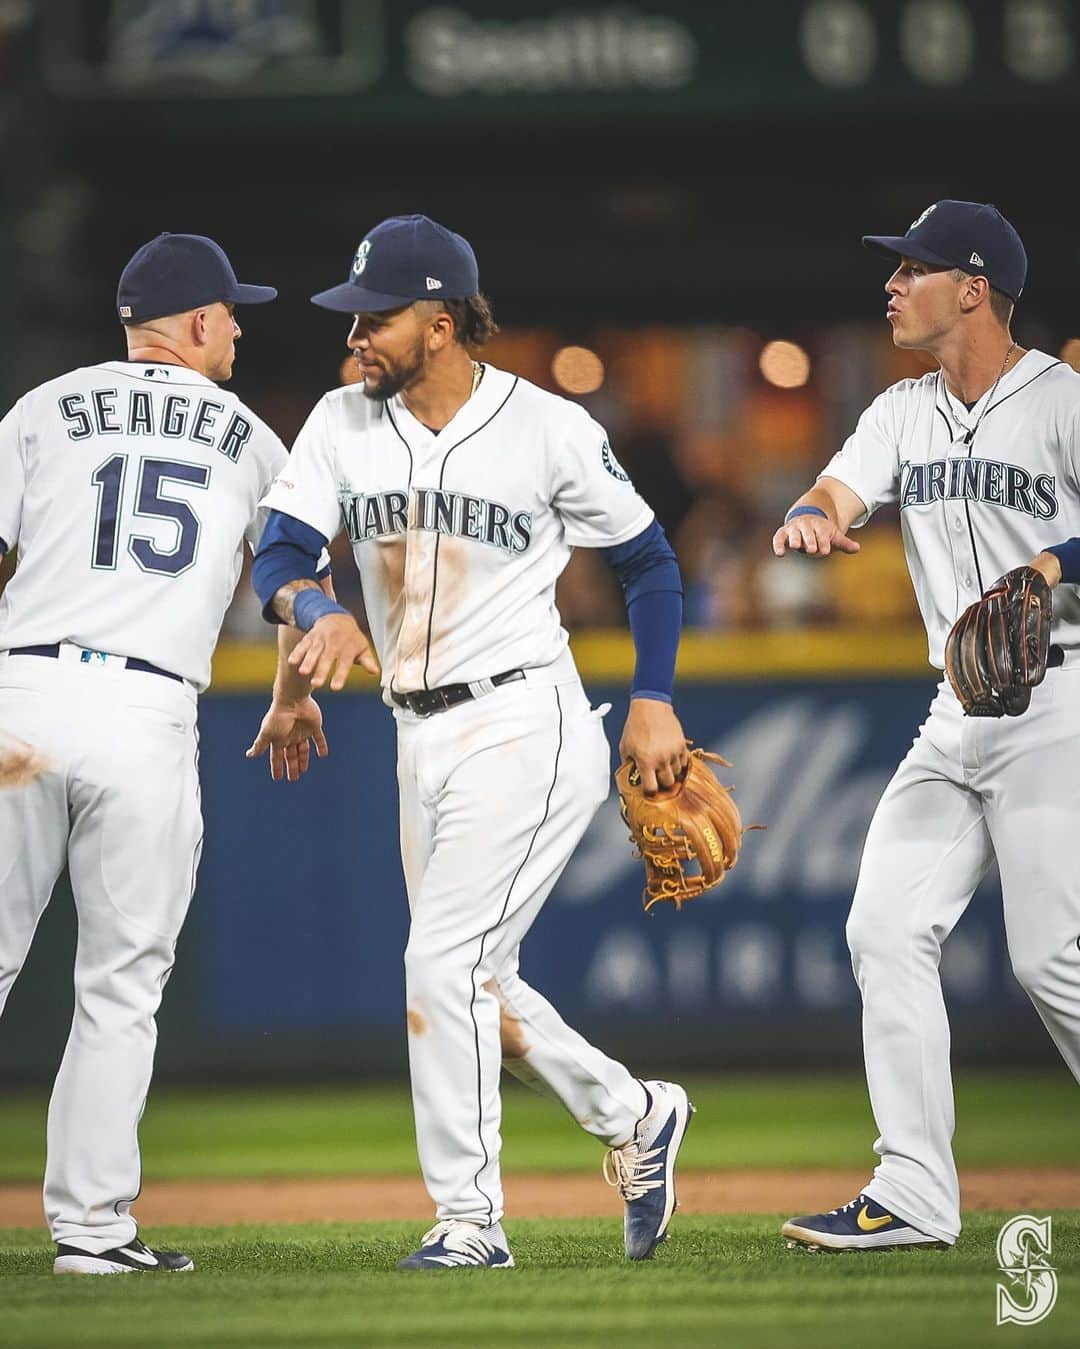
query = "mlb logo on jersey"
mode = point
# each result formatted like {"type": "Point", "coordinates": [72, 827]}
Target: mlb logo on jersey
{"type": "Point", "coordinates": [93, 657]}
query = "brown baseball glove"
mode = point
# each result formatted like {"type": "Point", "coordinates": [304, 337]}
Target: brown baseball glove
{"type": "Point", "coordinates": [998, 648]}
{"type": "Point", "coordinates": [688, 835]}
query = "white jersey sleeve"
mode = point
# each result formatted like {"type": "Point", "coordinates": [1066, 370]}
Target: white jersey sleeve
{"type": "Point", "coordinates": [12, 479]}
{"type": "Point", "coordinates": [1069, 441]}
{"type": "Point", "coordinates": [274, 458]}
{"type": "Point", "coordinates": [592, 493]}
{"type": "Point", "coordinates": [307, 485]}
{"type": "Point", "coordinates": [869, 460]}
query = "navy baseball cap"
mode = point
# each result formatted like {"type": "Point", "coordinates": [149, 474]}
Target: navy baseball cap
{"type": "Point", "coordinates": [403, 259]}
{"type": "Point", "coordinates": [177, 272]}
{"type": "Point", "coordinates": [970, 235]}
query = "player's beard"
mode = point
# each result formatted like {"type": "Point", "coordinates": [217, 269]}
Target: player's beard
{"type": "Point", "coordinates": [397, 377]}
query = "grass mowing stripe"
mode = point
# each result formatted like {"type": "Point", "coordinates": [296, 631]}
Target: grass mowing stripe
{"type": "Point", "coordinates": [718, 1281]}
{"type": "Point", "coordinates": [742, 1121]}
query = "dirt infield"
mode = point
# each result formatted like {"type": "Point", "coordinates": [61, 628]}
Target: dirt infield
{"type": "Point", "coordinates": [353, 1199]}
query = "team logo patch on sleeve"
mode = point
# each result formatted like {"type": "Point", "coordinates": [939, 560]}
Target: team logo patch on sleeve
{"type": "Point", "coordinates": [612, 464]}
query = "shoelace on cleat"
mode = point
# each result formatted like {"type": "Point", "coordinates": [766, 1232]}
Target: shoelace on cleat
{"type": "Point", "coordinates": [463, 1238]}
{"type": "Point", "coordinates": [854, 1203]}
{"type": "Point", "coordinates": [628, 1171]}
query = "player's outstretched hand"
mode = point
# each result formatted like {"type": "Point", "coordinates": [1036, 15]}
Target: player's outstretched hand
{"type": "Point", "coordinates": [654, 739]}
{"type": "Point", "coordinates": [329, 651]}
{"type": "Point", "coordinates": [288, 731]}
{"type": "Point", "coordinates": [812, 534]}
{"type": "Point", "coordinates": [20, 763]}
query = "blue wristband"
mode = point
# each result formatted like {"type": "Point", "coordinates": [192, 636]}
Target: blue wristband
{"type": "Point", "coordinates": [804, 510]}
{"type": "Point", "coordinates": [311, 605]}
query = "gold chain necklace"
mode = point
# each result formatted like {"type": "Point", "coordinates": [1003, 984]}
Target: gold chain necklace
{"type": "Point", "coordinates": [1004, 363]}
{"type": "Point", "coordinates": [990, 396]}
{"type": "Point", "coordinates": [478, 375]}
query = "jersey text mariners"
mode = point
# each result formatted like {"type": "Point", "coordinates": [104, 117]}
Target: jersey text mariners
{"type": "Point", "coordinates": [979, 491]}
{"type": "Point", "coordinates": [460, 537]}
{"type": "Point", "coordinates": [128, 490]}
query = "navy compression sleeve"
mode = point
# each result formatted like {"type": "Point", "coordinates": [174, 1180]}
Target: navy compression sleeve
{"type": "Point", "coordinates": [1068, 554]}
{"type": "Point", "coordinates": [289, 550]}
{"type": "Point", "coordinates": [649, 575]}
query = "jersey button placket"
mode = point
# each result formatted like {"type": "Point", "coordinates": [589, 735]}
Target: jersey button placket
{"type": "Point", "coordinates": [411, 646]}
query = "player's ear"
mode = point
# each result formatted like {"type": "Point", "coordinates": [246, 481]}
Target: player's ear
{"type": "Point", "coordinates": [974, 291]}
{"type": "Point", "coordinates": [441, 331]}
{"type": "Point", "coordinates": [199, 324]}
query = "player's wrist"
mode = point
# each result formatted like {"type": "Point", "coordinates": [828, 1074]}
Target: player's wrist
{"type": "Point", "coordinates": [311, 604]}
{"type": "Point", "coordinates": [1053, 562]}
{"type": "Point", "coordinates": [804, 510]}
{"type": "Point", "coordinates": [650, 696]}
{"type": "Point", "coordinates": [284, 700]}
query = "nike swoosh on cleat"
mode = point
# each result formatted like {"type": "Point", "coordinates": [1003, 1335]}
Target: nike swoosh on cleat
{"type": "Point", "coordinates": [868, 1224]}
{"type": "Point", "coordinates": [138, 1256]}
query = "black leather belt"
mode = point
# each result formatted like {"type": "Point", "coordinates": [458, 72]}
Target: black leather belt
{"type": "Point", "coordinates": [132, 663]}
{"type": "Point", "coordinates": [429, 701]}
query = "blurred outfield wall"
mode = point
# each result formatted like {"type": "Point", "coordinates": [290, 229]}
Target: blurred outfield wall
{"type": "Point", "coordinates": [291, 960]}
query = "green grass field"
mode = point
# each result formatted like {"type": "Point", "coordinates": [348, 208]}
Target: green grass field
{"type": "Point", "coordinates": [719, 1281]}
{"type": "Point", "coordinates": [724, 1282]}
{"type": "Point", "coordinates": [741, 1121]}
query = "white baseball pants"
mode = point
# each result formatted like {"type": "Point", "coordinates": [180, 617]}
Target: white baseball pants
{"type": "Point", "coordinates": [970, 789]}
{"type": "Point", "coordinates": [119, 805]}
{"type": "Point", "coordinates": [495, 795]}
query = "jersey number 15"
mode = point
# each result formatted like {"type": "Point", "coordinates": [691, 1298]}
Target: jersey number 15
{"type": "Point", "coordinates": [152, 503]}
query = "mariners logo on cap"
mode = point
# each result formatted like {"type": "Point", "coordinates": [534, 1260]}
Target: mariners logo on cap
{"type": "Point", "coordinates": [360, 261]}
{"type": "Point", "coordinates": [916, 223]}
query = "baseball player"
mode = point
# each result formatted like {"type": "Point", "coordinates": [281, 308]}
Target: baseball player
{"type": "Point", "coordinates": [463, 489]}
{"type": "Point", "coordinates": [983, 459]}
{"type": "Point", "coordinates": [128, 489]}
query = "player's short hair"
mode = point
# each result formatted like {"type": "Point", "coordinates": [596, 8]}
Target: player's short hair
{"type": "Point", "coordinates": [1000, 305]}
{"type": "Point", "coordinates": [474, 323]}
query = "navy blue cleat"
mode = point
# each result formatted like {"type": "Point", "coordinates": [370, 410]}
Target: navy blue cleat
{"type": "Point", "coordinates": [643, 1170]}
{"type": "Point", "coordinates": [861, 1225]}
{"type": "Point", "coordinates": [452, 1244]}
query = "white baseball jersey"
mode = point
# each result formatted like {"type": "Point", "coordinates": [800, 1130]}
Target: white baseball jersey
{"type": "Point", "coordinates": [460, 537]}
{"type": "Point", "coordinates": [980, 491]}
{"type": "Point", "coordinates": [128, 489]}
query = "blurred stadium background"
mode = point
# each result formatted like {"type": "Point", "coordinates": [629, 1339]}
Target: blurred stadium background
{"type": "Point", "coordinates": [666, 200]}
